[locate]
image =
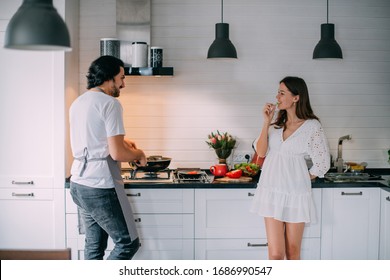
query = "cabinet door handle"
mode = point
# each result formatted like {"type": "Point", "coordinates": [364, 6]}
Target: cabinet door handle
{"type": "Point", "coordinates": [257, 245]}
{"type": "Point", "coordinates": [251, 194]}
{"type": "Point", "coordinates": [138, 220]}
{"type": "Point", "coordinates": [23, 183]}
{"type": "Point", "coordinates": [23, 194]}
{"type": "Point", "coordinates": [133, 194]}
{"type": "Point", "coordinates": [352, 193]}
{"type": "Point", "coordinates": [388, 198]}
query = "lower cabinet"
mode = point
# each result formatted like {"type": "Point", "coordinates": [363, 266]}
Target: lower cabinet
{"type": "Point", "coordinates": [225, 229]}
{"type": "Point", "coordinates": [164, 219]}
{"type": "Point", "coordinates": [209, 224]}
{"type": "Point", "coordinates": [384, 235]}
{"type": "Point", "coordinates": [350, 223]}
{"type": "Point", "coordinates": [32, 218]}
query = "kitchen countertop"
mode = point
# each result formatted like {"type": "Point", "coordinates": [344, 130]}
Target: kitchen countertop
{"type": "Point", "coordinates": [384, 183]}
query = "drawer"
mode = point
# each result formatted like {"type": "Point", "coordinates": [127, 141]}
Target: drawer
{"type": "Point", "coordinates": [151, 226]}
{"type": "Point", "coordinates": [231, 249]}
{"type": "Point", "coordinates": [161, 201]}
{"type": "Point", "coordinates": [248, 249]}
{"type": "Point", "coordinates": [26, 194]}
{"type": "Point", "coordinates": [150, 201]}
{"type": "Point", "coordinates": [148, 226]}
{"type": "Point", "coordinates": [26, 182]}
{"type": "Point", "coordinates": [225, 214]}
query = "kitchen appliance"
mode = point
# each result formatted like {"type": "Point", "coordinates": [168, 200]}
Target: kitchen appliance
{"type": "Point", "coordinates": [166, 176]}
{"type": "Point", "coordinates": [191, 175]}
{"type": "Point", "coordinates": [130, 175]}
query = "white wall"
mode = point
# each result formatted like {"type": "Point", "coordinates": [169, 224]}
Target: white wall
{"type": "Point", "coordinates": [173, 116]}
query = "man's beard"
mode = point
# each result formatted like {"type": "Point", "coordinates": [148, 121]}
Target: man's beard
{"type": "Point", "coordinates": [115, 92]}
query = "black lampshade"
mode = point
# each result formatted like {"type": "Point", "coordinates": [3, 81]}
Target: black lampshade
{"type": "Point", "coordinates": [37, 26]}
{"type": "Point", "coordinates": [222, 47]}
{"type": "Point", "coordinates": [327, 47]}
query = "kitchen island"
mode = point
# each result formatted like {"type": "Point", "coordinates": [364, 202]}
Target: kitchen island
{"type": "Point", "coordinates": [212, 221]}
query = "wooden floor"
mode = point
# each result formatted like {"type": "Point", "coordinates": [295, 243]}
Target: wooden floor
{"type": "Point", "coordinates": [63, 254]}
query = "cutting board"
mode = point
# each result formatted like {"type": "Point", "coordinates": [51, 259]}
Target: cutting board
{"type": "Point", "coordinates": [242, 179]}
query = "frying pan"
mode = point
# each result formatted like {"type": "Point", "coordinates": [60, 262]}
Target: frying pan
{"type": "Point", "coordinates": [153, 164]}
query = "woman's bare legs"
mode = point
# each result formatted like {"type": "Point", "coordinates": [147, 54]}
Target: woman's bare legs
{"type": "Point", "coordinates": [284, 239]}
{"type": "Point", "coordinates": [294, 233]}
{"type": "Point", "coordinates": [275, 239]}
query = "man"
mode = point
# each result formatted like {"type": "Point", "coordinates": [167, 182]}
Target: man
{"type": "Point", "coordinates": [98, 146]}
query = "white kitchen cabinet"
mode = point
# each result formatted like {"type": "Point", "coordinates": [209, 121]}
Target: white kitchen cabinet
{"type": "Point", "coordinates": [32, 142]}
{"type": "Point", "coordinates": [225, 229]}
{"type": "Point", "coordinates": [350, 223]}
{"type": "Point", "coordinates": [28, 218]}
{"type": "Point", "coordinates": [384, 241]}
{"type": "Point", "coordinates": [247, 249]}
{"type": "Point", "coordinates": [164, 219]}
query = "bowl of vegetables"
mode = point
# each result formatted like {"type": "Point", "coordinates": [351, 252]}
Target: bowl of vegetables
{"type": "Point", "coordinates": [248, 169]}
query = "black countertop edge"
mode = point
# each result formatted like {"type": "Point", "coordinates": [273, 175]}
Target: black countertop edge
{"type": "Point", "coordinates": [251, 185]}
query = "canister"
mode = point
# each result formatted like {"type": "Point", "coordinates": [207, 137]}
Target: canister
{"type": "Point", "coordinates": [156, 57]}
{"type": "Point", "coordinates": [110, 46]}
{"type": "Point", "coordinates": [139, 54]}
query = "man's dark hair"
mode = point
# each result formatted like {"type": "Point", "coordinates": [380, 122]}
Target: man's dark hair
{"type": "Point", "coordinates": [103, 69]}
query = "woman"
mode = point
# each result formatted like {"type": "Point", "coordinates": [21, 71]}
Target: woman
{"type": "Point", "coordinates": [283, 195]}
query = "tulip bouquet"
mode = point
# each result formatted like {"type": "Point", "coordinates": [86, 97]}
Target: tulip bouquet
{"type": "Point", "coordinates": [222, 143]}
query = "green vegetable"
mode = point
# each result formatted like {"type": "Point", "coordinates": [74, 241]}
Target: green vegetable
{"type": "Point", "coordinates": [248, 169]}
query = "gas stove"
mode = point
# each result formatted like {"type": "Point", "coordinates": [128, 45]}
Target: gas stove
{"type": "Point", "coordinates": [191, 175]}
{"type": "Point", "coordinates": [135, 176]}
{"type": "Point", "coordinates": [169, 176]}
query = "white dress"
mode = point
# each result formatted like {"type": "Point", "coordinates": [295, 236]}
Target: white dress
{"type": "Point", "coordinates": [284, 188]}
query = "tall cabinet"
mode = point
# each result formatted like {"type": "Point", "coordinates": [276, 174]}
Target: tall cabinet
{"type": "Point", "coordinates": [32, 143]}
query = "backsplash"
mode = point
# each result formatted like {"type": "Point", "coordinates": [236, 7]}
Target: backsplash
{"type": "Point", "coordinates": [172, 116]}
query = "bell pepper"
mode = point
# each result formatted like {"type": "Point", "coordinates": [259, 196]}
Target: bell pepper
{"type": "Point", "coordinates": [234, 174]}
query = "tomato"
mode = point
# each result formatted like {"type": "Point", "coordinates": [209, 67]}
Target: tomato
{"type": "Point", "coordinates": [235, 174]}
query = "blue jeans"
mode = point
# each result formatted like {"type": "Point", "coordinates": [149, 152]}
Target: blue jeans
{"type": "Point", "coordinates": [103, 216]}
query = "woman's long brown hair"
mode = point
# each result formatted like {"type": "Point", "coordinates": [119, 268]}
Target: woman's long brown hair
{"type": "Point", "coordinates": [296, 86]}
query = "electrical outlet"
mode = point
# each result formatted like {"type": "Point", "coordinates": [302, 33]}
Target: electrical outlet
{"type": "Point", "coordinates": [239, 157]}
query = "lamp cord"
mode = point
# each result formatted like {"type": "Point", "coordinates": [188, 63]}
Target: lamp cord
{"type": "Point", "coordinates": [221, 11]}
{"type": "Point", "coordinates": [327, 11]}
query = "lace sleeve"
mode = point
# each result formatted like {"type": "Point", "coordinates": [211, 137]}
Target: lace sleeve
{"type": "Point", "coordinates": [319, 152]}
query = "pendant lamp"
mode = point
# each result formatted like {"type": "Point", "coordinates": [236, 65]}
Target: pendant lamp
{"type": "Point", "coordinates": [37, 26]}
{"type": "Point", "coordinates": [222, 47]}
{"type": "Point", "coordinates": [327, 47]}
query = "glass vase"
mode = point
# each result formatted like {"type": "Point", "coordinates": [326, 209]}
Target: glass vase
{"type": "Point", "coordinates": [223, 154]}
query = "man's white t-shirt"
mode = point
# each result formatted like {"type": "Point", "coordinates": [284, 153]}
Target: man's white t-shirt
{"type": "Point", "coordinates": [94, 116]}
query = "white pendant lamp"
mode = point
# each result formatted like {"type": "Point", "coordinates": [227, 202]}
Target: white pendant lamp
{"type": "Point", "coordinates": [37, 26]}
{"type": "Point", "coordinates": [327, 47]}
{"type": "Point", "coordinates": [222, 47]}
